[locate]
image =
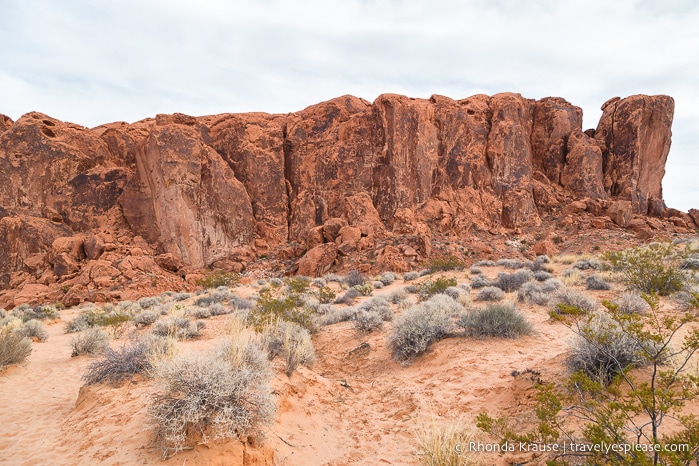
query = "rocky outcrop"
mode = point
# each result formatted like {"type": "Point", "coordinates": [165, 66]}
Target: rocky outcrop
{"type": "Point", "coordinates": [336, 179]}
{"type": "Point", "coordinates": [634, 134]}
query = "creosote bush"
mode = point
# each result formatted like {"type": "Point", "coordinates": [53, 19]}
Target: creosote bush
{"type": "Point", "coordinates": [655, 268]}
{"type": "Point", "coordinates": [445, 263]}
{"type": "Point", "coordinates": [14, 348]}
{"type": "Point", "coordinates": [218, 278]}
{"type": "Point", "coordinates": [223, 394]}
{"type": "Point", "coordinates": [436, 286]}
{"type": "Point", "coordinates": [495, 321]}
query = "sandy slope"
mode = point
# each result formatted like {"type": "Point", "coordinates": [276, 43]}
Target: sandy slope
{"type": "Point", "coordinates": [354, 406]}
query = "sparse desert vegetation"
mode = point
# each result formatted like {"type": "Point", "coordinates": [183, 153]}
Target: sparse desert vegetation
{"type": "Point", "coordinates": [245, 363]}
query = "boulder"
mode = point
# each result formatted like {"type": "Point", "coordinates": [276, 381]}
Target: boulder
{"type": "Point", "coordinates": [318, 260]}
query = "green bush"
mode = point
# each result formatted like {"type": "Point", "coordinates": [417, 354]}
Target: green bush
{"type": "Point", "coordinates": [654, 268]}
{"type": "Point", "coordinates": [289, 308]}
{"type": "Point", "coordinates": [445, 263]}
{"type": "Point", "coordinates": [495, 321]}
{"type": "Point", "coordinates": [218, 278]}
{"type": "Point", "coordinates": [436, 286]}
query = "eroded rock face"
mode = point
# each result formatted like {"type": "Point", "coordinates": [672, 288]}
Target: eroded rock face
{"type": "Point", "coordinates": [635, 137]}
{"type": "Point", "coordinates": [176, 193]}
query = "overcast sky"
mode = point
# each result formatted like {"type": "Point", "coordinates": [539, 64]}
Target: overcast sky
{"type": "Point", "coordinates": [95, 61]}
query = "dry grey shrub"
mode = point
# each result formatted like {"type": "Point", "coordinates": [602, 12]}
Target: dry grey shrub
{"type": "Point", "coordinates": [33, 329]}
{"type": "Point", "coordinates": [116, 365]}
{"type": "Point", "coordinates": [222, 394]}
{"type": "Point", "coordinates": [335, 315]}
{"type": "Point", "coordinates": [398, 296]}
{"type": "Point", "coordinates": [485, 263]}
{"type": "Point", "coordinates": [630, 302]}
{"type": "Point", "coordinates": [178, 327]}
{"type": "Point", "coordinates": [421, 325]}
{"type": "Point", "coordinates": [291, 341]}
{"type": "Point", "coordinates": [542, 275]}
{"type": "Point", "coordinates": [602, 349]}
{"type": "Point", "coordinates": [367, 321]}
{"type": "Point", "coordinates": [387, 278]}
{"type": "Point", "coordinates": [410, 276]}
{"type": "Point", "coordinates": [490, 293]}
{"type": "Point", "coordinates": [379, 305]}
{"type": "Point", "coordinates": [532, 292]}
{"type": "Point", "coordinates": [594, 282]}
{"type": "Point", "coordinates": [570, 297]}
{"type": "Point", "coordinates": [92, 341]}
{"type": "Point", "coordinates": [479, 281]}
{"type": "Point", "coordinates": [145, 318]}
{"type": "Point", "coordinates": [509, 282]}
{"type": "Point", "coordinates": [349, 296]}
{"type": "Point", "coordinates": [14, 348]}
{"type": "Point", "coordinates": [496, 320]}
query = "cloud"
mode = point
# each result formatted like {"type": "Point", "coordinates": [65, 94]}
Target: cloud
{"type": "Point", "coordinates": [94, 62]}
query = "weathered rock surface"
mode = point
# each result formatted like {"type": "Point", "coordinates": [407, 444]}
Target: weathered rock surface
{"type": "Point", "coordinates": [155, 200]}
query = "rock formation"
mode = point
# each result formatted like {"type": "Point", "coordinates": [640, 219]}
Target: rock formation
{"type": "Point", "coordinates": [86, 212]}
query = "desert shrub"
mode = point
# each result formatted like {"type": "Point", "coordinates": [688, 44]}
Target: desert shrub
{"type": "Point", "coordinates": [319, 282]}
{"type": "Point", "coordinates": [485, 263]}
{"type": "Point", "coordinates": [324, 294]}
{"type": "Point", "coordinates": [602, 349]}
{"type": "Point", "coordinates": [593, 282]}
{"type": "Point", "coordinates": [691, 263]}
{"type": "Point", "coordinates": [365, 289]}
{"type": "Point", "coordinates": [147, 303]}
{"type": "Point", "coordinates": [33, 329]}
{"type": "Point", "coordinates": [177, 327]}
{"type": "Point", "coordinates": [387, 278]}
{"type": "Point", "coordinates": [41, 312]}
{"type": "Point", "coordinates": [455, 292]}
{"type": "Point", "coordinates": [276, 281]}
{"type": "Point", "coordinates": [240, 303]}
{"type": "Point", "coordinates": [511, 263]}
{"type": "Point", "coordinates": [542, 259]}
{"type": "Point", "coordinates": [354, 278]}
{"type": "Point", "coordinates": [586, 264]}
{"type": "Point", "coordinates": [145, 318]}
{"type": "Point", "coordinates": [436, 286]}
{"type": "Point", "coordinates": [490, 293]}
{"type": "Point", "coordinates": [685, 299]}
{"type": "Point", "coordinates": [120, 364]}
{"type": "Point", "coordinates": [335, 315]}
{"type": "Point", "coordinates": [379, 305]}
{"type": "Point", "coordinates": [218, 278]}
{"type": "Point", "coordinates": [443, 444]}
{"type": "Point", "coordinates": [418, 327]}
{"type": "Point", "coordinates": [367, 321]}
{"type": "Point", "coordinates": [290, 341]}
{"type": "Point", "coordinates": [410, 276]}
{"type": "Point", "coordinates": [532, 292]}
{"type": "Point", "coordinates": [565, 300]}
{"type": "Point", "coordinates": [115, 319]}
{"type": "Point", "coordinates": [199, 312]}
{"type": "Point", "coordinates": [332, 277]}
{"type": "Point", "coordinates": [290, 308]}
{"type": "Point", "coordinates": [475, 271]}
{"type": "Point", "coordinates": [219, 309]}
{"type": "Point", "coordinates": [551, 285]}
{"type": "Point", "coordinates": [181, 296]}
{"type": "Point", "coordinates": [299, 284]}
{"type": "Point", "coordinates": [377, 285]}
{"type": "Point", "coordinates": [224, 394]}
{"type": "Point", "coordinates": [445, 263]}
{"type": "Point", "coordinates": [631, 302]}
{"type": "Point", "coordinates": [495, 321]}
{"type": "Point", "coordinates": [92, 341]}
{"type": "Point", "coordinates": [14, 348]}
{"type": "Point", "coordinates": [398, 296]}
{"type": "Point", "coordinates": [542, 275]}
{"type": "Point", "coordinates": [412, 289]}
{"type": "Point", "coordinates": [348, 297]}
{"type": "Point", "coordinates": [654, 268]}
{"type": "Point", "coordinates": [479, 282]}
{"type": "Point", "coordinates": [509, 282]}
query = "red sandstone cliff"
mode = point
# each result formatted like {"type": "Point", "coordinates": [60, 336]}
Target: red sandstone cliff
{"type": "Point", "coordinates": [86, 213]}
